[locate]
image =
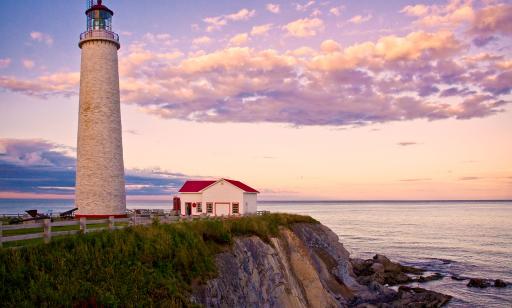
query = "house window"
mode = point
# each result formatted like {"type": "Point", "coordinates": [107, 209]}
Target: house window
{"type": "Point", "coordinates": [209, 207]}
{"type": "Point", "coordinates": [236, 208]}
{"type": "Point", "coordinates": [199, 207]}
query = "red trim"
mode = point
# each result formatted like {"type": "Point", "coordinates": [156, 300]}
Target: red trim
{"type": "Point", "coordinates": [100, 216]}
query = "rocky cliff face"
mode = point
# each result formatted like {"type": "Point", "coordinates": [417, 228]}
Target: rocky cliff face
{"type": "Point", "coordinates": [306, 266]}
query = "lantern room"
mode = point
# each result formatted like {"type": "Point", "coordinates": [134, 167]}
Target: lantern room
{"type": "Point", "coordinates": [99, 17]}
{"type": "Point", "coordinates": [99, 24]}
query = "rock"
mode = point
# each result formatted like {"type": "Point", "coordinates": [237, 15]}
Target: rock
{"type": "Point", "coordinates": [419, 297]}
{"type": "Point", "coordinates": [306, 266]}
{"type": "Point", "coordinates": [381, 259]}
{"type": "Point", "coordinates": [436, 276]}
{"type": "Point", "coordinates": [412, 270]}
{"type": "Point", "coordinates": [459, 278]}
{"type": "Point", "coordinates": [498, 283]}
{"type": "Point", "coordinates": [377, 268]}
{"type": "Point", "coordinates": [478, 283]}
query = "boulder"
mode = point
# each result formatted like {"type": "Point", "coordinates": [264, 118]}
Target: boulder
{"type": "Point", "coordinates": [377, 268]}
{"type": "Point", "coordinates": [419, 297]}
{"type": "Point", "coordinates": [498, 283]}
{"type": "Point", "coordinates": [478, 283]}
{"type": "Point", "coordinates": [436, 276]}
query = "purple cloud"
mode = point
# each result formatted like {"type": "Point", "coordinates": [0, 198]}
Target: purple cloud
{"type": "Point", "coordinates": [39, 166]}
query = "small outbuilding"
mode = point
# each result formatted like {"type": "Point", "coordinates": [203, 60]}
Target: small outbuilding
{"type": "Point", "coordinates": [216, 198]}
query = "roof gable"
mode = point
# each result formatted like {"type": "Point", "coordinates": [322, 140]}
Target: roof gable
{"type": "Point", "coordinates": [199, 186]}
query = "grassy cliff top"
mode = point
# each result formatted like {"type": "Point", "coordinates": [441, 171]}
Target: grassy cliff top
{"type": "Point", "coordinates": [136, 266]}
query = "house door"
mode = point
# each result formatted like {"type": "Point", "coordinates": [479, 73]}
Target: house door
{"type": "Point", "coordinates": [188, 209]}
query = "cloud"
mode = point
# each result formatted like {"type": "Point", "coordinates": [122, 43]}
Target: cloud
{"type": "Point", "coordinates": [304, 7]}
{"type": "Point", "coordinates": [43, 167]}
{"type": "Point", "coordinates": [330, 46]}
{"type": "Point", "coordinates": [158, 38]}
{"type": "Point", "coordinates": [452, 14]}
{"type": "Point", "coordinates": [336, 11]}
{"type": "Point", "coordinates": [239, 39]}
{"type": "Point", "coordinates": [415, 10]}
{"type": "Point", "coordinates": [359, 19]}
{"type": "Point", "coordinates": [416, 180]}
{"type": "Point", "coordinates": [490, 21]}
{"type": "Point", "coordinates": [406, 143]}
{"type": "Point", "coordinates": [261, 29]}
{"type": "Point", "coordinates": [5, 62]}
{"type": "Point", "coordinates": [65, 84]}
{"type": "Point", "coordinates": [392, 78]}
{"type": "Point", "coordinates": [469, 178]}
{"type": "Point", "coordinates": [217, 22]}
{"type": "Point", "coordinates": [28, 64]}
{"type": "Point", "coordinates": [390, 49]}
{"type": "Point", "coordinates": [42, 38]}
{"type": "Point", "coordinates": [304, 27]}
{"type": "Point", "coordinates": [273, 8]}
{"type": "Point", "coordinates": [203, 40]}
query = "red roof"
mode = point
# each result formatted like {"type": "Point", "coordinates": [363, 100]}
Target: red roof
{"type": "Point", "coordinates": [242, 186]}
{"type": "Point", "coordinates": [197, 186]}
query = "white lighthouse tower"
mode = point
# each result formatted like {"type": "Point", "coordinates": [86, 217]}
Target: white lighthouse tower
{"type": "Point", "coordinates": [100, 190]}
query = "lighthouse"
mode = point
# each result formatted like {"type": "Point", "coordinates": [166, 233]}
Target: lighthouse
{"type": "Point", "coordinates": [100, 189]}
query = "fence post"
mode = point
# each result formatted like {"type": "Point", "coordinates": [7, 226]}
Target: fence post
{"type": "Point", "coordinates": [111, 222]}
{"type": "Point", "coordinates": [134, 219]}
{"type": "Point", "coordinates": [47, 223]}
{"type": "Point", "coordinates": [1, 223]}
{"type": "Point", "coordinates": [83, 225]}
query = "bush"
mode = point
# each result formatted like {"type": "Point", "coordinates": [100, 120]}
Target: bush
{"type": "Point", "coordinates": [136, 266]}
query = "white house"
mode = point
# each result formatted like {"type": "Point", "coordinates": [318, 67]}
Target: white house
{"type": "Point", "coordinates": [217, 198]}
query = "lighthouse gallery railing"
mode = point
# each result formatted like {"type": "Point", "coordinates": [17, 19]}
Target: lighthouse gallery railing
{"type": "Point", "coordinates": [99, 34]}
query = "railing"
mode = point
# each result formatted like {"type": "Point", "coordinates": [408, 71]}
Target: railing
{"type": "Point", "coordinates": [105, 34]}
{"type": "Point", "coordinates": [109, 224]}
{"type": "Point", "coordinates": [47, 225]}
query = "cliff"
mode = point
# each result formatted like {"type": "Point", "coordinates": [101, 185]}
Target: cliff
{"type": "Point", "coordinates": [275, 260]}
{"type": "Point", "coordinates": [305, 266]}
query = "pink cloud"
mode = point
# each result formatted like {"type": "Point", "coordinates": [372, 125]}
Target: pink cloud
{"type": "Point", "coordinates": [65, 84]}
{"type": "Point", "coordinates": [492, 20]}
{"type": "Point", "coordinates": [304, 27]}
{"type": "Point", "coordinates": [217, 22]}
{"type": "Point", "coordinates": [393, 78]}
{"type": "Point", "coordinates": [42, 37]}
{"type": "Point", "coordinates": [5, 62]}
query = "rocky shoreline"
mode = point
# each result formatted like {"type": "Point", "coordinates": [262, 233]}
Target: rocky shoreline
{"type": "Point", "coordinates": [307, 266]}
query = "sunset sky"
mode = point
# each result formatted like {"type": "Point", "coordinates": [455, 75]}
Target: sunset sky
{"type": "Point", "coordinates": [302, 100]}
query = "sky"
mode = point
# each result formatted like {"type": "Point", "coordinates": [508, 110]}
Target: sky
{"type": "Point", "coordinates": [345, 100]}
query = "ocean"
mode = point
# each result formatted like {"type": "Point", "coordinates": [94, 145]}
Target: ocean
{"type": "Point", "coordinates": [462, 238]}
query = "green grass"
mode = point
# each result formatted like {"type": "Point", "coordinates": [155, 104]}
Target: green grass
{"type": "Point", "coordinates": [56, 229]}
{"type": "Point", "coordinates": [137, 266]}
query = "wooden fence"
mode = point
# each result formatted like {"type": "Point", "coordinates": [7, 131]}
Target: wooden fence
{"type": "Point", "coordinates": [111, 224]}
{"type": "Point", "coordinates": [48, 233]}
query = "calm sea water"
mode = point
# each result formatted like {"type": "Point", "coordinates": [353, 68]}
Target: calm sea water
{"type": "Point", "coordinates": [454, 238]}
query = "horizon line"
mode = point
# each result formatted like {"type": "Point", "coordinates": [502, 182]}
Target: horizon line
{"type": "Point", "coordinates": [301, 200]}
